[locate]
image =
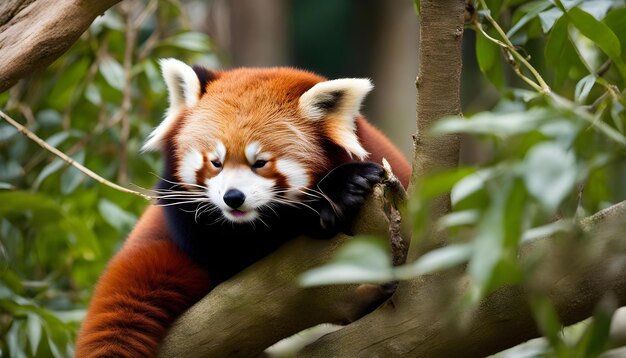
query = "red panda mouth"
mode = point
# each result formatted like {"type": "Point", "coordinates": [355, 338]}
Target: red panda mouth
{"type": "Point", "coordinates": [238, 213]}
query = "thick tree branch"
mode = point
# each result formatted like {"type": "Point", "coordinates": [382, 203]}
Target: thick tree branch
{"type": "Point", "coordinates": [438, 95]}
{"type": "Point", "coordinates": [34, 33]}
{"type": "Point", "coordinates": [263, 304]}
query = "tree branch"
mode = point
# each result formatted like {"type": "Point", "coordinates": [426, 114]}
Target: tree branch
{"type": "Point", "coordinates": [264, 303]}
{"type": "Point", "coordinates": [574, 274]}
{"type": "Point", "coordinates": [34, 33]}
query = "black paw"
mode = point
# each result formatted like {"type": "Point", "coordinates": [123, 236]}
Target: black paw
{"type": "Point", "coordinates": [346, 188]}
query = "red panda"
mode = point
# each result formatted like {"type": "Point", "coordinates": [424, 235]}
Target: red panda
{"type": "Point", "coordinates": [253, 157]}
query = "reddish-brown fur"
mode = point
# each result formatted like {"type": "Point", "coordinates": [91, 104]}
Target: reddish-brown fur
{"type": "Point", "coordinates": [150, 282]}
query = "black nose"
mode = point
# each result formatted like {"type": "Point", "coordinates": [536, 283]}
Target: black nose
{"type": "Point", "coordinates": [234, 198]}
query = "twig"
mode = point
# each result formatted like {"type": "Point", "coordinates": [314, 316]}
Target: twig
{"type": "Point", "coordinates": [505, 43]}
{"type": "Point", "coordinates": [32, 136]}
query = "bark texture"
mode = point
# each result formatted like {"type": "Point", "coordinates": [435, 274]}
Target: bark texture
{"type": "Point", "coordinates": [34, 33]}
{"type": "Point", "coordinates": [264, 303]}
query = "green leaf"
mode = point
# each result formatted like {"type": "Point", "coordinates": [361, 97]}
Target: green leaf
{"type": "Point", "coordinates": [547, 320]}
{"type": "Point", "coordinates": [583, 87]}
{"type": "Point", "coordinates": [558, 42]}
{"type": "Point", "coordinates": [531, 10]}
{"type": "Point", "coordinates": [7, 132]}
{"type": "Point", "coordinates": [72, 177]}
{"type": "Point", "coordinates": [488, 56]}
{"type": "Point", "coordinates": [615, 21]}
{"type": "Point", "coordinates": [499, 124]}
{"type": "Point", "coordinates": [458, 218]}
{"type": "Point", "coordinates": [190, 41]}
{"type": "Point", "coordinates": [435, 260]}
{"type": "Point", "coordinates": [471, 184]}
{"type": "Point", "coordinates": [84, 241]}
{"type": "Point", "coordinates": [549, 173]}
{"type": "Point", "coordinates": [597, 8]}
{"type": "Point", "coordinates": [34, 332]}
{"type": "Point", "coordinates": [48, 170]}
{"type": "Point", "coordinates": [595, 339]}
{"type": "Point", "coordinates": [549, 17]}
{"type": "Point", "coordinates": [596, 31]}
{"type": "Point", "coordinates": [112, 72]}
{"type": "Point", "coordinates": [20, 201]}
{"type": "Point", "coordinates": [361, 260]}
{"type": "Point", "coordinates": [551, 229]}
{"type": "Point", "coordinates": [120, 219]}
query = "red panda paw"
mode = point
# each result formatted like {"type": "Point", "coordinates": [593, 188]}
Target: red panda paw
{"type": "Point", "coordinates": [346, 188]}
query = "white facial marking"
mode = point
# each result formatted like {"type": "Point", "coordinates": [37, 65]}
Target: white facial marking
{"type": "Point", "coordinates": [252, 150]}
{"type": "Point", "coordinates": [220, 151]}
{"type": "Point", "coordinates": [257, 189]}
{"type": "Point", "coordinates": [297, 176]}
{"type": "Point", "coordinates": [192, 162]}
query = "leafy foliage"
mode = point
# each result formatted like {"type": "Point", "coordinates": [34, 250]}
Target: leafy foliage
{"type": "Point", "coordinates": [557, 152]}
{"type": "Point", "coordinates": [58, 229]}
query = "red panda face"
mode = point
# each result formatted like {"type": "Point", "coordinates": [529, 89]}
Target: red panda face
{"type": "Point", "coordinates": [253, 139]}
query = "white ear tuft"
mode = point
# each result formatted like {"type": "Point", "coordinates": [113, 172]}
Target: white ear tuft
{"type": "Point", "coordinates": [338, 101]}
{"type": "Point", "coordinates": [183, 87]}
{"type": "Point", "coordinates": [343, 96]}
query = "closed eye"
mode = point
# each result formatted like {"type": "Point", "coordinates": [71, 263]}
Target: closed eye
{"type": "Point", "coordinates": [259, 164]}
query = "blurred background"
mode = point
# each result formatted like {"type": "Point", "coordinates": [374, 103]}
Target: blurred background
{"type": "Point", "coordinates": [346, 38]}
{"type": "Point", "coordinates": [99, 102]}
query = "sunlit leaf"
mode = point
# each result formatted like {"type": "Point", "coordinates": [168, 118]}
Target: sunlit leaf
{"type": "Point", "coordinates": [112, 72]}
{"type": "Point", "coordinates": [361, 260]}
{"type": "Point", "coordinates": [597, 8]}
{"type": "Point", "coordinates": [34, 332]}
{"type": "Point", "coordinates": [548, 230]}
{"type": "Point", "coordinates": [583, 87]}
{"type": "Point", "coordinates": [499, 124]}
{"type": "Point", "coordinates": [549, 17]}
{"type": "Point", "coordinates": [435, 260]}
{"type": "Point", "coordinates": [549, 173]}
{"type": "Point", "coordinates": [459, 218]}
{"type": "Point", "coordinates": [470, 184]}
{"type": "Point", "coordinates": [531, 10]}
{"type": "Point", "coordinates": [597, 31]}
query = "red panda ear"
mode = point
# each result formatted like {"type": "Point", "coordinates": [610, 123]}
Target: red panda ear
{"type": "Point", "coordinates": [337, 102]}
{"type": "Point", "coordinates": [185, 85]}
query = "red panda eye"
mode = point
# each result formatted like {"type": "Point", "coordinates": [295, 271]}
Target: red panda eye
{"type": "Point", "coordinates": [216, 163]}
{"type": "Point", "coordinates": [259, 164]}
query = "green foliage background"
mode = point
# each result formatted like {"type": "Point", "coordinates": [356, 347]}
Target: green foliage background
{"type": "Point", "coordinates": [57, 227]}
{"type": "Point", "coordinates": [551, 154]}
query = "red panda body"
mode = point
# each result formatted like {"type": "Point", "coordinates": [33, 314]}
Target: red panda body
{"type": "Point", "coordinates": [253, 157]}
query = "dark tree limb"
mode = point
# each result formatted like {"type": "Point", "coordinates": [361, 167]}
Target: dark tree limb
{"type": "Point", "coordinates": [34, 33]}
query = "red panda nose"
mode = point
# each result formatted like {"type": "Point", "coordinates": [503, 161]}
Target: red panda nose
{"type": "Point", "coordinates": [234, 198]}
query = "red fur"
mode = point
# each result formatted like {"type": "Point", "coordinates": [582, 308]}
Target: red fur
{"type": "Point", "coordinates": [150, 282]}
{"type": "Point", "coordinates": [380, 147]}
{"type": "Point", "coordinates": [146, 286]}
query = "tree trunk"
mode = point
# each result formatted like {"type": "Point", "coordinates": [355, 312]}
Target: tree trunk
{"type": "Point", "coordinates": [34, 33]}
